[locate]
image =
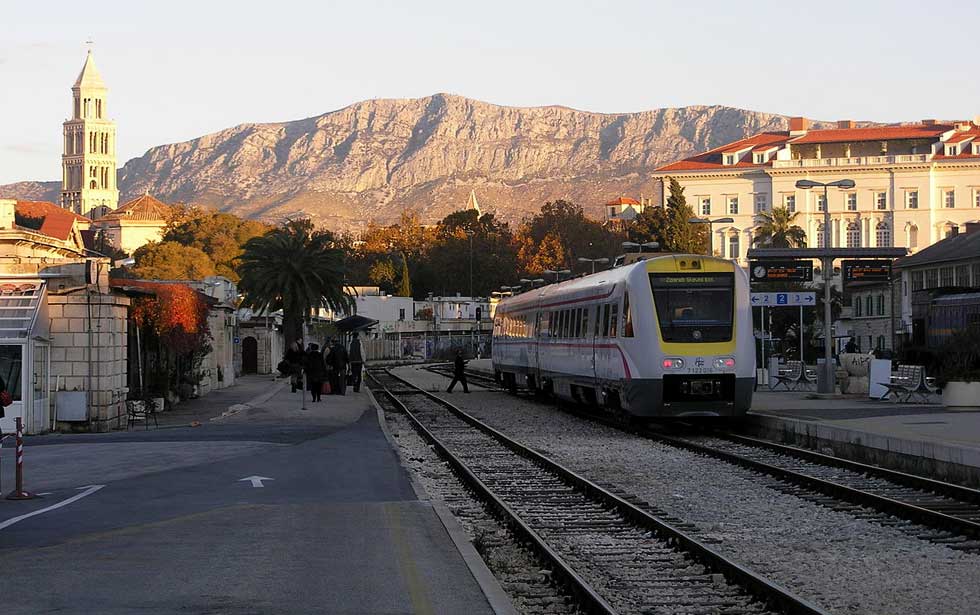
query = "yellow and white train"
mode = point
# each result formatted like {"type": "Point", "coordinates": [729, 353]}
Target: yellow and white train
{"type": "Point", "coordinates": [670, 336]}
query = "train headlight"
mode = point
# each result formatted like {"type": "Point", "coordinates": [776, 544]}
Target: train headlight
{"type": "Point", "coordinates": [673, 363]}
{"type": "Point", "coordinates": [725, 363]}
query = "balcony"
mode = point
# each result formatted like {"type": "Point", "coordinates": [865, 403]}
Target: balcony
{"type": "Point", "coordinates": [858, 161]}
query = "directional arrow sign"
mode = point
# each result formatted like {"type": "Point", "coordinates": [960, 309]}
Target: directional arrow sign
{"type": "Point", "coordinates": [255, 480]}
{"type": "Point", "coordinates": [783, 299]}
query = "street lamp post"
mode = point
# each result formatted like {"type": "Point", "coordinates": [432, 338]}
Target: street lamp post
{"type": "Point", "coordinates": [557, 273]}
{"type": "Point", "coordinates": [827, 264]}
{"type": "Point", "coordinates": [603, 260]}
{"type": "Point", "coordinates": [711, 236]}
{"type": "Point", "coordinates": [650, 245]}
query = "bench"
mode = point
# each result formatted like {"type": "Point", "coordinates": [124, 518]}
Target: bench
{"type": "Point", "coordinates": [140, 410]}
{"type": "Point", "coordinates": [909, 381]}
{"type": "Point", "coordinates": [795, 375]}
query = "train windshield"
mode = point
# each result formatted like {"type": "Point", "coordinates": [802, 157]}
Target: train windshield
{"type": "Point", "coordinates": [694, 307]}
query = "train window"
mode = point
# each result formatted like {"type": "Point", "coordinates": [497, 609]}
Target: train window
{"type": "Point", "coordinates": [578, 322]}
{"type": "Point", "coordinates": [561, 323]}
{"type": "Point", "coordinates": [627, 317]}
{"type": "Point", "coordinates": [566, 327]}
{"type": "Point", "coordinates": [598, 321]}
{"type": "Point", "coordinates": [585, 322]}
{"type": "Point", "coordinates": [614, 321]}
{"type": "Point", "coordinates": [605, 320]}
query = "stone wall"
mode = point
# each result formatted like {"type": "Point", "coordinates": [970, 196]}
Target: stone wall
{"type": "Point", "coordinates": [89, 353]}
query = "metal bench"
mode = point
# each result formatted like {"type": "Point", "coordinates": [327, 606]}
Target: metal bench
{"type": "Point", "coordinates": [908, 382]}
{"type": "Point", "coordinates": [794, 376]}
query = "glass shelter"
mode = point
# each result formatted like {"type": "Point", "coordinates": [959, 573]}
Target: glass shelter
{"type": "Point", "coordinates": [25, 360]}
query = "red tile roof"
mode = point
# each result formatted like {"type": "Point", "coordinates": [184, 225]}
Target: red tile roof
{"type": "Point", "coordinates": [58, 221]}
{"type": "Point", "coordinates": [144, 208]}
{"type": "Point", "coordinates": [877, 133]}
{"type": "Point", "coordinates": [623, 200]}
{"type": "Point", "coordinates": [712, 160]}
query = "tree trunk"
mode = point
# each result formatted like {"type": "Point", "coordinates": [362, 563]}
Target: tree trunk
{"type": "Point", "coordinates": [292, 327]}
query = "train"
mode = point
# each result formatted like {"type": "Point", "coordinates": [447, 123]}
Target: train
{"type": "Point", "coordinates": [666, 336]}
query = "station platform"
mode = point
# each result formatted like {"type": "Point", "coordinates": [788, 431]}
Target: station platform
{"type": "Point", "coordinates": [921, 438]}
{"type": "Point", "coordinates": [337, 526]}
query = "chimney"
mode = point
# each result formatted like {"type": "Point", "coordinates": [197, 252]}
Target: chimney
{"type": "Point", "coordinates": [971, 227]}
{"type": "Point", "coordinates": [8, 209]}
{"type": "Point", "coordinates": [928, 122]}
{"type": "Point", "coordinates": [798, 125]}
{"type": "Point", "coordinates": [845, 124]}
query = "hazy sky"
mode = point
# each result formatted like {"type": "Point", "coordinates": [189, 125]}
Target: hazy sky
{"type": "Point", "coordinates": [180, 69]}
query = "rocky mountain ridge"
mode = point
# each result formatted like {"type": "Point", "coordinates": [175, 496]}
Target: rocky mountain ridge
{"type": "Point", "coordinates": [374, 159]}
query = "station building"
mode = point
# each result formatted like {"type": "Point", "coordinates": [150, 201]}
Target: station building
{"type": "Point", "coordinates": [916, 183]}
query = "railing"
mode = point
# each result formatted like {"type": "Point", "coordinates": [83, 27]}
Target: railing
{"type": "Point", "coordinates": [850, 162]}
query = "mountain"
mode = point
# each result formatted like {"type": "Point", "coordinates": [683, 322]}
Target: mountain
{"type": "Point", "coordinates": [374, 159]}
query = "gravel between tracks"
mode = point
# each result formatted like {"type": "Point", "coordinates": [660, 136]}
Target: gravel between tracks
{"type": "Point", "coordinates": [845, 565]}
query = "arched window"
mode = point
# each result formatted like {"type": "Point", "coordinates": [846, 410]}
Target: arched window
{"type": "Point", "coordinates": [98, 108]}
{"type": "Point", "coordinates": [853, 235]}
{"type": "Point", "coordinates": [913, 236]}
{"type": "Point", "coordinates": [734, 250]}
{"type": "Point", "coordinates": [821, 229]}
{"type": "Point", "coordinates": [883, 235]}
{"type": "Point", "coordinates": [92, 184]}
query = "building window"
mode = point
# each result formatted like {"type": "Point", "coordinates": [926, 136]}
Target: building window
{"type": "Point", "coordinates": [880, 305]}
{"type": "Point", "coordinates": [946, 277]}
{"type": "Point", "coordinates": [932, 278]}
{"type": "Point", "coordinates": [820, 235]}
{"type": "Point", "coordinates": [612, 212]}
{"type": "Point", "coordinates": [857, 306]}
{"type": "Point", "coordinates": [821, 203]}
{"type": "Point", "coordinates": [733, 205]}
{"type": "Point", "coordinates": [729, 159]}
{"type": "Point", "coordinates": [789, 201]}
{"type": "Point", "coordinates": [963, 276]}
{"type": "Point", "coordinates": [913, 236]}
{"type": "Point", "coordinates": [918, 282]}
{"type": "Point", "coordinates": [976, 198]}
{"type": "Point", "coordinates": [706, 206]}
{"type": "Point", "coordinates": [401, 313]}
{"type": "Point", "coordinates": [853, 235]}
{"type": "Point", "coordinates": [761, 202]}
{"type": "Point", "coordinates": [852, 201]}
{"type": "Point", "coordinates": [912, 199]}
{"type": "Point", "coordinates": [869, 306]}
{"type": "Point", "coordinates": [949, 198]}
{"type": "Point", "coordinates": [881, 342]}
{"type": "Point", "coordinates": [883, 235]}
{"type": "Point", "coordinates": [976, 275]}
{"type": "Point", "coordinates": [733, 247]}
{"type": "Point", "coordinates": [881, 200]}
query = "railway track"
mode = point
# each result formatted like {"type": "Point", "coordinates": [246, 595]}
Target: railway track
{"type": "Point", "coordinates": [613, 556]}
{"type": "Point", "coordinates": [950, 513]}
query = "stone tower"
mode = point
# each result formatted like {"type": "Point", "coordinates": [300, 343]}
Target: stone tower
{"type": "Point", "coordinates": [88, 164]}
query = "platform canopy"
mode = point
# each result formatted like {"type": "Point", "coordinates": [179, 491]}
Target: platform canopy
{"type": "Point", "coordinates": [21, 302]}
{"type": "Point", "coordinates": [355, 323]}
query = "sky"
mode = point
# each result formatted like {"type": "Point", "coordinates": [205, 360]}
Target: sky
{"type": "Point", "coordinates": [180, 69]}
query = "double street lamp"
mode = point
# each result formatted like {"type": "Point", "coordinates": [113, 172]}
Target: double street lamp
{"type": "Point", "coordinates": [649, 245]}
{"type": "Point", "coordinates": [827, 264]}
{"type": "Point", "coordinates": [532, 282]}
{"type": "Point", "coordinates": [602, 260]}
{"type": "Point", "coordinates": [711, 236]}
{"type": "Point", "coordinates": [558, 273]}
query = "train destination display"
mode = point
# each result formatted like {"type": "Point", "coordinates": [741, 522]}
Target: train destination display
{"type": "Point", "coordinates": [787, 271]}
{"type": "Point", "coordinates": [866, 271]}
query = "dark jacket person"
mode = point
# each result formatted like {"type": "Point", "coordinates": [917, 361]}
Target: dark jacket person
{"type": "Point", "coordinates": [338, 356]}
{"type": "Point", "coordinates": [459, 373]}
{"type": "Point", "coordinates": [356, 363]}
{"type": "Point", "coordinates": [316, 371]}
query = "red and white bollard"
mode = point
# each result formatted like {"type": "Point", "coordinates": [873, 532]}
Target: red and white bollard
{"type": "Point", "coordinates": [18, 493]}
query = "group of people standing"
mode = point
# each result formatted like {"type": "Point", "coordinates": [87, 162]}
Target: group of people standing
{"type": "Point", "coordinates": [327, 371]}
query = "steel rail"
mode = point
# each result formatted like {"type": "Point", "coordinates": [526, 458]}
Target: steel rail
{"type": "Point", "coordinates": [760, 587]}
{"type": "Point", "coordinates": [590, 598]}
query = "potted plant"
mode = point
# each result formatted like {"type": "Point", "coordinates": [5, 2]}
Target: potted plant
{"type": "Point", "coordinates": [959, 376]}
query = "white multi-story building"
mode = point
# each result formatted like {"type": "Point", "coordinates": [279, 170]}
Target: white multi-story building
{"type": "Point", "coordinates": [915, 184]}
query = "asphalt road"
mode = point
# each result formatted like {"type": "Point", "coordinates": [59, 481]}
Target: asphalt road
{"type": "Point", "coordinates": [163, 522]}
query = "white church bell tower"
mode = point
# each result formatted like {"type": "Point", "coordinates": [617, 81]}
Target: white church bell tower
{"type": "Point", "coordinates": [88, 164]}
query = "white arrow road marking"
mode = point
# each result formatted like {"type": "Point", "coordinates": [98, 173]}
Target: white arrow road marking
{"type": "Point", "coordinates": [255, 480]}
{"type": "Point", "coordinates": [88, 490]}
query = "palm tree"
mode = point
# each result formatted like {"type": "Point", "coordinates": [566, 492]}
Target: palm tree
{"type": "Point", "coordinates": [295, 268]}
{"type": "Point", "coordinates": [776, 230]}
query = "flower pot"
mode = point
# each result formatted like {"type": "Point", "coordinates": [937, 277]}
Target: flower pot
{"type": "Point", "coordinates": [962, 395]}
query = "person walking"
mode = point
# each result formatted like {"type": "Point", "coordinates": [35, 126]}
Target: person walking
{"type": "Point", "coordinates": [459, 373]}
{"type": "Point", "coordinates": [316, 371]}
{"type": "Point", "coordinates": [356, 359]}
{"type": "Point", "coordinates": [294, 357]}
{"type": "Point", "coordinates": [339, 361]}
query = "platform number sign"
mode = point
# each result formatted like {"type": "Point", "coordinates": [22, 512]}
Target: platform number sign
{"type": "Point", "coordinates": [781, 299]}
